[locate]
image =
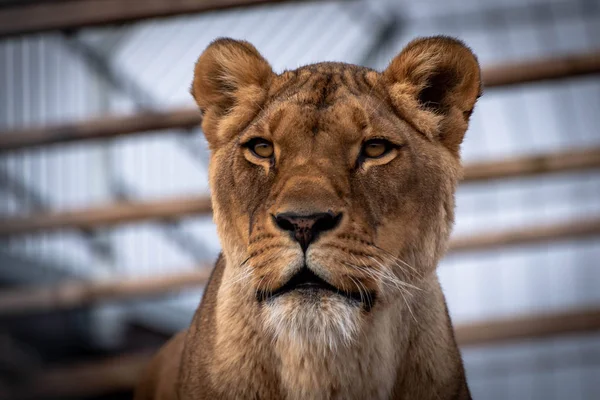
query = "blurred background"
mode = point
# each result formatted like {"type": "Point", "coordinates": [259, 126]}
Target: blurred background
{"type": "Point", "coordinates": [106, 236]}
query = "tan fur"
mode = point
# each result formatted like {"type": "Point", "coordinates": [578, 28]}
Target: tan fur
{"type": "Point", "coordinates": [397, 216]}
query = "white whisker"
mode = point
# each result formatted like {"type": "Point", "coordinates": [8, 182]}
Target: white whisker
{"type": "Point", "coordinates": [408, 306]}
{"type": "Point", "coordinates": [246, 274]}
{"type": "Point", "coordinates": [396, 260]}
{"type": "Point", "coordinates": [395, 279]}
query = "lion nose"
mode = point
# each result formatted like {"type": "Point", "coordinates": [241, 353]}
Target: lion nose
{"type": "Point", "coordinates": [306, 228]}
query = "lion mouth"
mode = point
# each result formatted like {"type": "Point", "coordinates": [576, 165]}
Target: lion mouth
{"type": "Point", "coordinates": [307, 283]}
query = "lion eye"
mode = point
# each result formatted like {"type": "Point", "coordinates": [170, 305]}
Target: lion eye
{"type": "Point", "coordinates": [376, 148]}
{"type": "Point", "coordinates": [261, 148]}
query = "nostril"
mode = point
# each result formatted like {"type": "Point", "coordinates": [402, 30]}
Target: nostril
{"type": "Point", "coordinates": [284, 223]}
{"type": "Point", "coordinates": [326, 222]}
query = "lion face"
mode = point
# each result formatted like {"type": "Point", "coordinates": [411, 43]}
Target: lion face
{"type": "Point", "coordinates": [333, 185]}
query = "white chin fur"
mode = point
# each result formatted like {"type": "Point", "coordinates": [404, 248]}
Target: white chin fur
{"type": "Point", "coordinates": [323, 323]}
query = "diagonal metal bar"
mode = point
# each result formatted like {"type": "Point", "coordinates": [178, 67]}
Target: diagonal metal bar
{"type": "Point", "coordinates": [28, 196]}
{"type": "Point", "coordinates": [142, 99]}
{"type": "Point", "coordinates": [98, 62]}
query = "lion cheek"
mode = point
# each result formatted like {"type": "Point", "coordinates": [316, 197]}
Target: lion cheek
{"type": "Point", "coordinates": [234, 239]}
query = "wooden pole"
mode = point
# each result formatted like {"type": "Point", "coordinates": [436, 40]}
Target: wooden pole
{"type": "Point", "coordinates": [74, 294]}
{"type": "Point", "coordinates": [119, 213]}
{"type": "Point", "coordinates": [526, 236]}
{"type": "Point", "coordinates": [39, 16]}
{"type": "Point", "coordinates": [100, 128]}
{"type": "Point", "coordinates": [110, 215]}
{"type": "Point", "coordinates": [110, 126]}
{"type": "Point", "coordinates": [88, 379]}
{"type": "Point", "coordinates": [529, 327]}
{"type": "Point", "coordinates": [542, 70]}
{"type": "Point", "coordinates": [79, 294]}
{"type": "Point", "coordinates": [120, 374]}
{"type": "Point", "coordinates": [533, 165]}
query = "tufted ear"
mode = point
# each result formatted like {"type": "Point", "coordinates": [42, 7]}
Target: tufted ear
{"type": "Point", "coordinates": [434, 83]}
{"type": "Point", "coordinates": [230, 77]}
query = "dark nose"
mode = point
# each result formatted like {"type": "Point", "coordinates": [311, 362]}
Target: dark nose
{"type": "Point", "coordinates": [306, 228]}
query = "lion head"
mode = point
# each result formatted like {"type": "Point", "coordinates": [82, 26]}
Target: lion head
{"type": "Point", "coordinates": [333, 184]}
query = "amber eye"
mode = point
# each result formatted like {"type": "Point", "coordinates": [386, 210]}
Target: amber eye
{"type": "Point", "coordinates": [261, 148]}
{"type": "Point", "coordinates": [376, 148]}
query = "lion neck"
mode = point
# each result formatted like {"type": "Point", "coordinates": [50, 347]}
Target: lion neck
{"type": "Point", "coordinates": [362, 369]}
{"type": "Point", "coordinates": [365, 368]}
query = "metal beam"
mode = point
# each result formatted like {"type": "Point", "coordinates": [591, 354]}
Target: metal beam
{"type": "Point", "coordinates": [116, 79]}
{"type": "Point", "coordinates": [109, 127]}
{"type": "Point", "coordinates": [39, 16]}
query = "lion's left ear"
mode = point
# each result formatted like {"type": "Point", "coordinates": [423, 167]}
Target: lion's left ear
{"type": "Point", "coordinates": [434, 83]}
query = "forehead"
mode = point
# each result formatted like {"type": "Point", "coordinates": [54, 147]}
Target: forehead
{"type": "Point", "coordinates": [325, 99]}
{"type": "Point", "coordinates": [317, 83]}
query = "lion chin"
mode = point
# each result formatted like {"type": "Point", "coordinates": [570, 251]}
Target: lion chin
{"type": "Point", "coordinates": [309, 312]}
{"type": "Point", "coordinates": [311, 319]}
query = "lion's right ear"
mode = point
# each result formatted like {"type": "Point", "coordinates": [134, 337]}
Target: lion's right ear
{"type": "Point", "coordinates": [435, 82]}
{"type": "Point", "coordinates": [231, 78]}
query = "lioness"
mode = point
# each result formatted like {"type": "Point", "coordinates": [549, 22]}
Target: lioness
{"type": "Point", "coordinates": [333, 193]}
